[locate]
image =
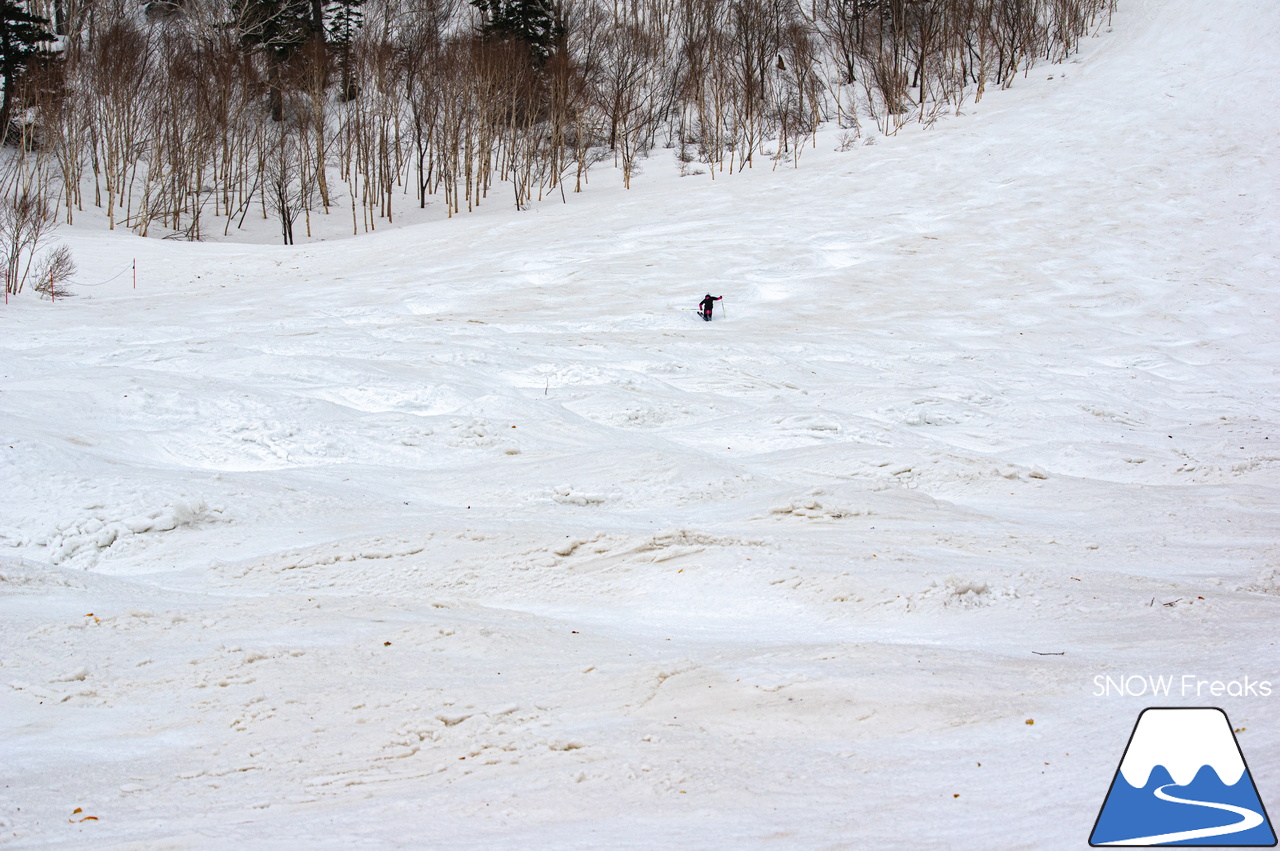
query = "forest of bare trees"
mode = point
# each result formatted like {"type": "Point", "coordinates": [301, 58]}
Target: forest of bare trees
{"type": "Point", "coordinates": [185, 117]}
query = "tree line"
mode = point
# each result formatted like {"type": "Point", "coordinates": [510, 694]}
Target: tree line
{"type": "Point", "coordinates": [179, 117]}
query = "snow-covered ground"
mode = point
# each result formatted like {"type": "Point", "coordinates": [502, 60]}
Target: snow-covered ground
{"type": "Point", "coordinates": [467, 535]}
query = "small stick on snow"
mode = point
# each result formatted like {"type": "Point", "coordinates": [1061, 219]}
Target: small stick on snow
{"type": "Point", "coordinates": [1038, 653]}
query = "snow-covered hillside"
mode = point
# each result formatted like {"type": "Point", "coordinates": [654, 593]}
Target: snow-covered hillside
{"type": "Point", "coordinates": [470, 535]}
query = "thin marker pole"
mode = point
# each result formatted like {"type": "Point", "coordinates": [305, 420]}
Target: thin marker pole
{"type": "Point", "coordinates": [135, 273]}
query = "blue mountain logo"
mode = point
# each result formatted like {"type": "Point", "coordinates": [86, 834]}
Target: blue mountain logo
{"type": "Point", "coordinates": [1183, 781]}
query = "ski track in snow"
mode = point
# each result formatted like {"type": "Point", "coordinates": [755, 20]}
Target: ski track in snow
{"type": "Point", "coordinates": [465, 535]}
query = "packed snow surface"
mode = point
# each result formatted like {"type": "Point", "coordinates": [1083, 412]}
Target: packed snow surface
{"type": "Point", "coordinates": [467, 535]}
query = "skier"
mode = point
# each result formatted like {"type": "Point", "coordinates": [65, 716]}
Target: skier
{"type": "Point", "coordinates": [707, 305]}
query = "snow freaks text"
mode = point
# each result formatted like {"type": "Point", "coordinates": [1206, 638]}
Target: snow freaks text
{"type": "Point", "coordinates": [1183, 685]}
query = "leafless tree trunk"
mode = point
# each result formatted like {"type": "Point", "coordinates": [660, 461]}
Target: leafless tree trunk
{"type": "Point", "coordinates": [26, 225]}
{"type": "Point", "coordinates": [170, 116]}
{"type": "Point", "coordinates": [119, 84]}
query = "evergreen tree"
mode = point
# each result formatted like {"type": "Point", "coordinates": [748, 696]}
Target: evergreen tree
{"type": "Point", "coordinates": [21, 34]}
{"type": "Point", "coordinates": [533, 22]}
{"type": "Point", "coordinates": [279, 28]}
{"type": "Point", "coordinates": [345, 19]}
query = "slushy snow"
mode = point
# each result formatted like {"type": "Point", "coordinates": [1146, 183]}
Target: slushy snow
{"type": "Point", "coordinates": [466, 535]}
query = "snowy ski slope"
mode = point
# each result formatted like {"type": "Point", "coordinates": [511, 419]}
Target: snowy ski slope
{"type": "Point", "coordinates": [467, 536]}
